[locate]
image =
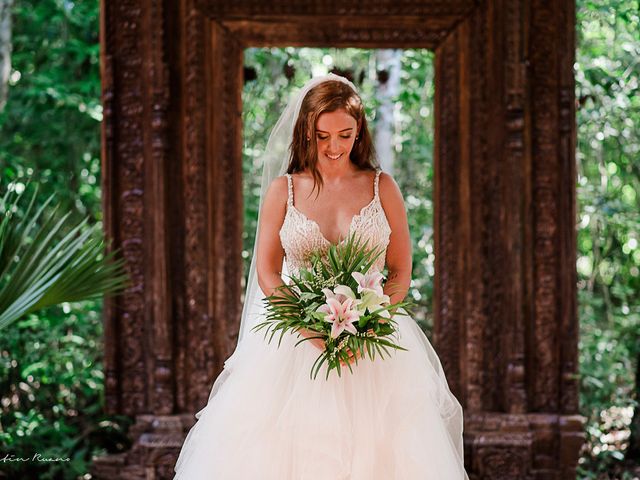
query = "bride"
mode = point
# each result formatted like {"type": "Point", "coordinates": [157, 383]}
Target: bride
{"type": "Point", "coordinates": [266, 419]}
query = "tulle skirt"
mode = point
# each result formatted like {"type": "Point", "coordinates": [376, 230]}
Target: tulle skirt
{"type": "Point", "coordinates": [266, 419]}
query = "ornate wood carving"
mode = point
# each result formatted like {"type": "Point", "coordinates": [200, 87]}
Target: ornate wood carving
{"type": "Point", "coordinates": [224, 76]}
{"type": "Point", "coordinates": [250, 9]}
{"type": "Point", "coordinates": [108, 191]}
{"type": "Point", "coordinates": [474, 178]}
{"type": "Point", "coordinates": [154, 454]}
{"type": "Point", "coordinates": [138, 326]}
{"type": "Point", "coordinates": [515, 218]}
{"type": "Point", "coordinates": [554, 363]}
{"type": "Point", "coordinates": [523, 446]}
{"type": "Point", "coordinates": [448, 215]}
{"type": "Point", "coordinates": [569, 383]}
{"type": "Point", "coordinates": [544, 68]}
{"type": "Point", "coordinates": [197, 357]}
{"type": "Point", "coordinates": [343, 32]}
{"type": "Point", "coordinates": [123, 187]}
{"type": "Point", "coordinates": [158, 295]}
{"type": "Point", "coordinates": [506, 326]}
{"type": "Point", "coordinates": [212, 195]}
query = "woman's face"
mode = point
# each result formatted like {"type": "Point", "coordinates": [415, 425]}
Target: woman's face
{"type": "Point", "coordinates": [335, 135]}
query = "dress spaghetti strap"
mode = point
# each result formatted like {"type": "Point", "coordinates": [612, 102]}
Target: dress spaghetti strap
{"type": "Point", "coordinates": [289, 190]}
{"type": "Point", "coordinates": [375, 183]}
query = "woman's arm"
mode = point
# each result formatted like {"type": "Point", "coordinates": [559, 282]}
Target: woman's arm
{"type": "Point", "coordinates": [399, 254]}
{"type": "Point", "coordinates": [269, 248]}
{"type": "Point", "coordinates": [269, 251]}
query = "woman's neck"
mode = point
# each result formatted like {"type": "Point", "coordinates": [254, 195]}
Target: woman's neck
{"type": "Point", "coordinates": [335, 172]}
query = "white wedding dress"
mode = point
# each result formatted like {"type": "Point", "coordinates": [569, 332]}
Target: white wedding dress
{"type": "Point", "coordinates": [266, 419]}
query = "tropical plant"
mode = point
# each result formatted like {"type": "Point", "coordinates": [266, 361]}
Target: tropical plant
{"type": "Point", "coordinates": [40, 266]}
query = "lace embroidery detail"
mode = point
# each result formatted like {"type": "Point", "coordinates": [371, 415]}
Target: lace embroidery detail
{"type": "Point", "coordinates": [289, 190]}
{"type": "Point", "coordinates": [300, 235]}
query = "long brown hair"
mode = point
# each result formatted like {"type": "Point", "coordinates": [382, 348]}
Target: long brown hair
{"type": "Point", "coordinates": [328, 96]}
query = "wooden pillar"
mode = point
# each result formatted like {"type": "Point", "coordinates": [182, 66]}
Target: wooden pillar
{"type": "Point", "coordinates": [172, 83]}
{"type": "Point", "coordinates": [506, 325]}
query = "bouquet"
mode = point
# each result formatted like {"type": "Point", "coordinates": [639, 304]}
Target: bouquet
{"type": "Point", "coordinates": [340, 300]}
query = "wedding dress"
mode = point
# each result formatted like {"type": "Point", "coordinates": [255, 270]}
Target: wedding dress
{"type": "Point", "coordinates": [266, 419]}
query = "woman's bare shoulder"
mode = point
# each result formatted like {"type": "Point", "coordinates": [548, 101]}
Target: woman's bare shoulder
{"type": "Point", "coordinates": [388, 188]}
{"type": "Point", "coordinates": [391, 199]}
{"type": "Point", "coordinates": [277, 192]}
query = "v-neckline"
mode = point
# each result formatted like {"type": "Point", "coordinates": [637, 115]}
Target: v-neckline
{"type": "Point", "coordinates": [317, 225]}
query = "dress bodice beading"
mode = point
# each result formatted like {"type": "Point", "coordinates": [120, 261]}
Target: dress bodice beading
{"type": "Point", "coordinates": [300, 235]}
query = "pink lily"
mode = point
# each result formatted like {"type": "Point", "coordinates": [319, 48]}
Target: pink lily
{"type": "Point", "coordinates": [369, 282]}
{"type": "Point", "coordinates": [341, 314]}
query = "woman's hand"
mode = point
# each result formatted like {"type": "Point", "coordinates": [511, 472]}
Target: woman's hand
{"type": "Point", "coordinates": [352, 358]}
{"type": "Point", "coordinates": [320, 345]}
{"type": "Point", "coordinates": [316, 342]}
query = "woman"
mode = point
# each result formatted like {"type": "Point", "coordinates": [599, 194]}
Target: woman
{"type": "Point", "coordinates": [392, 418]}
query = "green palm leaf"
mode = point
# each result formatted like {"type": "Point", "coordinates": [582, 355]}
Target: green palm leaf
{"type": "Point", "coordinates": [40, 266]}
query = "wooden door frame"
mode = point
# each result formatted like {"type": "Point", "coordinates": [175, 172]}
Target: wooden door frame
{"type": "Point", "coordinates": [505, 287]}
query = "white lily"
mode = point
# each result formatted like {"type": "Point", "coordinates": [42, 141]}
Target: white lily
{"type": "Point", "coordinates": [340, 293]}
{"type": "Point", "coordinates": [373, 302]}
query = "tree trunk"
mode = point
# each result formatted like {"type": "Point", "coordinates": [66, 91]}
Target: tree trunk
{"type": "Point", "coordinates": [388, 65]}
{"type": "Point", "coordinates": [5, 49]}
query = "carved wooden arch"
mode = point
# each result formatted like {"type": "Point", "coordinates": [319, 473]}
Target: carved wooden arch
{"type": "Point", "coordinates": [505, 294]}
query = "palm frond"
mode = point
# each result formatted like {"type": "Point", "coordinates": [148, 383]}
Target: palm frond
{"type": "Point", "coordinates": [40, 266]}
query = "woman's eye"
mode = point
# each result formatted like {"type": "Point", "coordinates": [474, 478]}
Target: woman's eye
{"type": "Point", "coordinates": [341, 136]}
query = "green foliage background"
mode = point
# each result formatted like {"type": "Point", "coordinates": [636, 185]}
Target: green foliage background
{"type": "Point", "coordinates": [607, 78]}
{"type": "Point", "coordinates": [51, 380]}
{"type": "Point", "coordinates": [51, 376]}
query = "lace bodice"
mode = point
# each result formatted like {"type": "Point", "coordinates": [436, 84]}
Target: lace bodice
{"type": "Point", "coordinates": [300, 235]}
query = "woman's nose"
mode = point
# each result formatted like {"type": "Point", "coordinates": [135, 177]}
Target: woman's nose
{"type": "Point", "coordinates": [333, 144]}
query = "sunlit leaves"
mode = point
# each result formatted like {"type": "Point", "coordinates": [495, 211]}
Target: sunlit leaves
{"type": "Point", "coordinates": [607, 74]}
